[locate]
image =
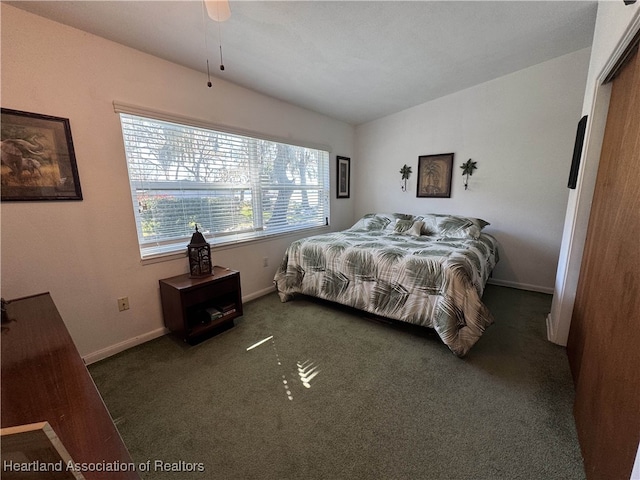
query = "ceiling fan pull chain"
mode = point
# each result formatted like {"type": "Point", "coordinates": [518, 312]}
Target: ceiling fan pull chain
{"type": "Point", "coordinates": [206, 46]}
{"type": "Point", "coordinates": [220, 37]}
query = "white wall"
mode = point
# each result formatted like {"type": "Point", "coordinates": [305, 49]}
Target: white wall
{"type": "Point", "coordinates": [86, 253]}
{"type": "Point", "coordinates": [616, 24]}
{"type": "Point", "coordinates": [520, 130]}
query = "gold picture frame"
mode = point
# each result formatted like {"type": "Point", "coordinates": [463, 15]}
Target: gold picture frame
{"type": "Point", "coordinates": [36, 443]}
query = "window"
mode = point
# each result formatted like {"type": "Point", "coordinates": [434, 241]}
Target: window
{"type": "Point", "coordinates": [234, 187]}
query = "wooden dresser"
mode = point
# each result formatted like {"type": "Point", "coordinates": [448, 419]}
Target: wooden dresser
{"type": "Point", "coordinates": [44, 379]}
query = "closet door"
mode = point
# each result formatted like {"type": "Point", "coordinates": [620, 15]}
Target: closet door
{"type": "Point", "coordinates": [604, 340]}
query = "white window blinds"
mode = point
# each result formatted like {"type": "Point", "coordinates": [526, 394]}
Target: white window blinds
{"type": "Point", "coordinates": [234, 187]}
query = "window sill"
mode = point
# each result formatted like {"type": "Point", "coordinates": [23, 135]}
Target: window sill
{"type": "Point", "coordinates": [175, 253]}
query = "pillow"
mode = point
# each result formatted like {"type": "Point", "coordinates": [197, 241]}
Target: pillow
{"type": "Point", "coordinates": [408, 227]}
{"type": "Point", "coordinates": [394, 217]}
{"type": "Point", "coordinates": [416, 229]}
{"type": "Point", "coordinates": [402, 226]}
{"type": "Point", "coordinates": [371, 221]}
{"type": "Point", "coordinates": [453, 226]}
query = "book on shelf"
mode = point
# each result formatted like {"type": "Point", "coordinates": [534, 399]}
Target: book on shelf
{"type": "Point", "coordinates": [227, 308]}
{"type": "Point", "coordinates": [213, 313]}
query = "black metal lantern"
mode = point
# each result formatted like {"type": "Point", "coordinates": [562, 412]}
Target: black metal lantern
{"type": "Point", "coordinates": [199, 253]}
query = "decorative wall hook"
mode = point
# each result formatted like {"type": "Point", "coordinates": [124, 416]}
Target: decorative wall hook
{"type": "Point", "coordinates": [467, 169]}
{"type": "Point", "coordinates": [406, 173]}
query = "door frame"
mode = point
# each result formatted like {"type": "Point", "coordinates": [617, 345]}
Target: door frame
{"type": "Point", "coordinates": [579, 210]}
{"type": "Point", "coordinates": [579, 205]}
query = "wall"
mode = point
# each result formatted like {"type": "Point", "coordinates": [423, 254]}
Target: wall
{"type": "Point", "coordinates": [520, 130]}
{"type": "Point", "coordinates": [86, 253]}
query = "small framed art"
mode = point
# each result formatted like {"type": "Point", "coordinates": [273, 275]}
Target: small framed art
{"type": "Point", "coordinates": [344, 176]}
{"type": "Point", "coordinates": [434, 175]}
{"type": "Point", "coordinates": [38, 160]}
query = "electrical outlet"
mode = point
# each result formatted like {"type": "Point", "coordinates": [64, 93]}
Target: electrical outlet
{"type": "Point", "coordinates": [265, 262]}
{"type": "Point", "coordinates": [123, 304]}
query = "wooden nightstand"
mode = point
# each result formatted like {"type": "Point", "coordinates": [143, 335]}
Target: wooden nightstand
{"type": "Point", "coordinates": [196, 308]}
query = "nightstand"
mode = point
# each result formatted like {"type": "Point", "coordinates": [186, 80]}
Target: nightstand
{"type": "Point", "coordinates": [196, 308]}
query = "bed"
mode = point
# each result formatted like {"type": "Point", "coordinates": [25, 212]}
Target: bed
{"type": "Point", "coordinates": [427, 270]}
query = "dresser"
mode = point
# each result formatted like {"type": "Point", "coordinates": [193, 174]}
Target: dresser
{"type": "Point", "coordinates": [44, 379]}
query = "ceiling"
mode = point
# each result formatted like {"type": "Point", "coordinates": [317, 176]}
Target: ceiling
{"type": "Point", "coordinates": [351, 60]}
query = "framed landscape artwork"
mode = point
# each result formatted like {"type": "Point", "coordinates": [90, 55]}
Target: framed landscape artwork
{"type": "Point", "coordinates": [344, 176]}
{"type": "Point", "coordinates": [38, 161]}
{"type": "Point", "coordinates": [434, 175]}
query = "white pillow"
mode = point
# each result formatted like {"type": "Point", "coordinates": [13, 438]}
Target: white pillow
{"type": "Point", "coordinates": [415, 229]}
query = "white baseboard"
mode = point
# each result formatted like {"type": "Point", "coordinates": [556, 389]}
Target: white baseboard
{"type": "Point", "coordinates": [552, 332]}
{"type": "Point", "coordinates": [550, 328]}
{"type": "Point", "coordinates": [140, 339]}
{"type": "Point", "coordinates": [259, 293]}
{"type": "Point", "coordinates": [122, 346]}
{"type": "Point", "coordinates": [521, 286]}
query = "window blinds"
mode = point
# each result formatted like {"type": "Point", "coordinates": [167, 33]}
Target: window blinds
{"type": "Point", "coordinates": [234, 187]}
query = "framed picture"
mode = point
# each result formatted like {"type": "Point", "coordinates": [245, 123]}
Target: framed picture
{"type": "Point", "coordinates": [434, 175]}
{"type": "Point", "coordinates": [39, 442]}
{"type": "Point", "coordinates": [577, 153]}
{"type": "Point", "coordinates": [38, 161]}
{"type": "Point", "coordinates": [344, 176]}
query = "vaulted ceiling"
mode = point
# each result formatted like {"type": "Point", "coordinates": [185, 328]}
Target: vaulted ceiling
{"type": "Point", "coordinates": [351, 60]}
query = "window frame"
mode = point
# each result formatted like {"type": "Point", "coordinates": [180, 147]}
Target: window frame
{"type": "Point", "coordinates": [167, 249]}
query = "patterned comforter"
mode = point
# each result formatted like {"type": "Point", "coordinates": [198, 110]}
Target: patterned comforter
{"type": "Point", "coordinates": [430, 278]}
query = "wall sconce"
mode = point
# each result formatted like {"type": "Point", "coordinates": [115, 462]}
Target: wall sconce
{"type": "Point", "coordinates": [467, 169]}
{"type": "Point", "coordinates": [406, 173]}
{"type": "Point", "coordinates": [199, 253]}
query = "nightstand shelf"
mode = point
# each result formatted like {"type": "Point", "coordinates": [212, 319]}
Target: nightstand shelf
{"type": "Point", "coordinates": [196, 308]}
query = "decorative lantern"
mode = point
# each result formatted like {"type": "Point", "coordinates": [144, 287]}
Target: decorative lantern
{"type": "Point", "coordinates": [199, 253]}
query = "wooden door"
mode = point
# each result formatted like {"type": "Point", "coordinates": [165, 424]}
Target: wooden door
{"type": "Point", "coordinates": [604, 340]}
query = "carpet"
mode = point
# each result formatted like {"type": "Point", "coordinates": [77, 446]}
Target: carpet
{"type": "Point", "coordinates": [312, 390]}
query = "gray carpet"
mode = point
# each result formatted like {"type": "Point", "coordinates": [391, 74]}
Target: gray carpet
{"type": "Point", "coordinates": [386, 402]}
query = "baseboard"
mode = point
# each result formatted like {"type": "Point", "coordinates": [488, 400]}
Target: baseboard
{"type": "Point", "coordinates": [521, 286]}
{"type": "Point", "coordinates": [550, 328]}
{"type": "Point", "coordinates": [122, 346]}
{"type": "Point", "coordinates": [259, 293]}
{"type": "Point", "coordinates": [140, 339]}
{"type": "Point", "coordinates": [552, 332]}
